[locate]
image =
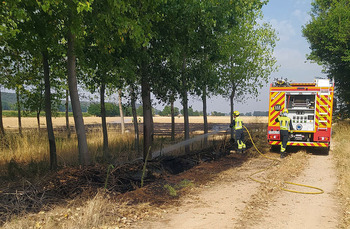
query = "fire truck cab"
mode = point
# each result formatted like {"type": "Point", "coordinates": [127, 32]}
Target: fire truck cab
{"type": "Point", "coordinates": [310, 107]}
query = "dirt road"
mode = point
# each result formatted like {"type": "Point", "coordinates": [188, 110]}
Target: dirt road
{"type": "Point", "coordinates": [290, 210]}
{"type": "Point", "coordinates": [232, 200]}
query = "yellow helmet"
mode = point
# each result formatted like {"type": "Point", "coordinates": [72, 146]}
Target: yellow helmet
{"type": "Point", "coordinates": [284, 112]}
{"type": "Point", "coordinates": [236, 113]}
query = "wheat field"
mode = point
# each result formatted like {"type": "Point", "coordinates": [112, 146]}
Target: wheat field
{"type": "Point", "coordinates": [11, 123]}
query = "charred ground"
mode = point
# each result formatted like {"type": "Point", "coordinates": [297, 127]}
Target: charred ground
{"type": "Point", "coordinates": [22, 194]}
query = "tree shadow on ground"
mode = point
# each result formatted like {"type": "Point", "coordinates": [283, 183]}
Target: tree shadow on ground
{"type": "Point", "coordinates": [23, 195]}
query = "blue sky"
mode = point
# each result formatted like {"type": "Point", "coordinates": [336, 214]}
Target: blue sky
{"type": "Point", "coordinates": [287, 17]}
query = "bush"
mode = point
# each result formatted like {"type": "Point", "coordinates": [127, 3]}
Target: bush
{"type": "Point", "coordinates": [167, 111]}
{"type": "Point", "coordinates": [112, 110]}
{"type": "Point", "coordinates": [215, 113]}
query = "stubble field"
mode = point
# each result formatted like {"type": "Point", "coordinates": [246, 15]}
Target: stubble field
{"type": "Point", "coordinates": [11, 123]}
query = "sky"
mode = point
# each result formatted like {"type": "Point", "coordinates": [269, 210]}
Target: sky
{"type": "Point", "coordinates": [287, 17]}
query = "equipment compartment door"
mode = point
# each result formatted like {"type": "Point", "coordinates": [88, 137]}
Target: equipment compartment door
{"type": "Point", "coordinates": [302, 110]}
{"type": "Point", "coordinates": [277, 104]}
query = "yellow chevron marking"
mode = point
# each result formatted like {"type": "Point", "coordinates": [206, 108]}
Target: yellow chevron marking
{"type": "Point", "coordinates": [274, 97]}
{"type": "Point", "coordinates": [313, 144]}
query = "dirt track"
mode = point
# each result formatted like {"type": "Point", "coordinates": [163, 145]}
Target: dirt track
{"type": "Point", "coordinates": [290, 210]}
{"type": "Point", "coordinates": [232, 201]}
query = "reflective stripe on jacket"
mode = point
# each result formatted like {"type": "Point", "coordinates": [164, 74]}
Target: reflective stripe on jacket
{"type": "Point", "coordinates": [284, 123]}
{"type": "Point", "coordinates": [238, 123]}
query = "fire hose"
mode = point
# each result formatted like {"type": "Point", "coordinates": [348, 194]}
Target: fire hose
{"type": "Point", "coordinates": [274, 162]}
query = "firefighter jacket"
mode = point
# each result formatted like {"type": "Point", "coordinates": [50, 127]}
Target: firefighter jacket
{"type": "Point", "coordinates": [237, 123]}
{"type": "Point", "coordinates": [285, 123]}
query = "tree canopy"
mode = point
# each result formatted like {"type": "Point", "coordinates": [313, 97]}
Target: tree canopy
{"type": "Point", "coordinates": [171, 49]}
{"type": "Point", "coordinates": [328, 34]}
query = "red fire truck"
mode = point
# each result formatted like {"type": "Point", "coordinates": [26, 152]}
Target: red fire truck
{"type": "Point", "coordinates": [310, 107]}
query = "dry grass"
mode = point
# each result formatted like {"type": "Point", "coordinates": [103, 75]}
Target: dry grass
{"type": "Point", "coordinates": [11, 123]}
{"type": "Point", "coordinates": [34, 148]}
{"type": "Point", "coordinates": [99, 212]}
{"type": "Point", "coordinates": [29, 147]}
{"type": "Point", "coordinates": [341, 151]}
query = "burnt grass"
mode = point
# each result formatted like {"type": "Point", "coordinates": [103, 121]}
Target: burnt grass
{"type": "Point", "coordinates": [31, 195]}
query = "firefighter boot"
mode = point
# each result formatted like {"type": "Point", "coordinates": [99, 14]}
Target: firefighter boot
{"type": "Point", "coordinates": [240, 146]}
{"type": "Point", "coordinates": [283, 155]}
{"type": "Point", "coordinates": [243, 148]}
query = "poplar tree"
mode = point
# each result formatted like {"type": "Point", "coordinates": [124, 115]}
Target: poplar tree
{"type": "Point", "coordinates": [328, 35]}
{"type": "Point", "coordinates": [247, 50]}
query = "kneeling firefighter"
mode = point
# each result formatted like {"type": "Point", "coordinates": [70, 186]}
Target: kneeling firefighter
{"type": "Point", "coordinates": [238, 125]}
{"type": "Point", "coordinates": [285, 126]}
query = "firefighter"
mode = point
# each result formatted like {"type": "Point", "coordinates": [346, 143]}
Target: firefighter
{"type": "Point", "coordinates": [238, 125]}
{"type": "Point", "coordinates": [285, 127]}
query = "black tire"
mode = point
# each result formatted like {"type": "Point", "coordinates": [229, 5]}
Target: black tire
{"type": "Point", "coordinates": [326, 150]}
{"type": "Point", "coordinates": [275, 149]}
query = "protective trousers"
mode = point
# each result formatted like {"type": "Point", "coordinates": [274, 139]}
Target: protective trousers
{"type": "Point", "coordinates": [284, 138]}
{"type": "Point", "coordinates": [240, 139]}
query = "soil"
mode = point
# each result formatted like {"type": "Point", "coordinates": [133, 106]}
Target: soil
{"type": "Point", "coordinates": [223, 201]}
{"type": "Point", "coordinates": [290, 210]}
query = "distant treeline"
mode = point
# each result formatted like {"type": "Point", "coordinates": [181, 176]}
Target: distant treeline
{"type": "Point", "coordinates": [9, 102]}
{"type": "Point", "coordinates": [112, 109]}
{"type": "Point", "coordinates": [256, 113]}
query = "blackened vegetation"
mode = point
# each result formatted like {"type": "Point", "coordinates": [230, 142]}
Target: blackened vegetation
{"type": "Point", "coordinates": [68, 183]}
{"type": "Point", "coordinates": [20, 197]}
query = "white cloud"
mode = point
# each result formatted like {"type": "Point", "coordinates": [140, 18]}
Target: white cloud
{"type": "Point", "coordinates": [301, 3]}
{"type": "Point", "coordinates": [302, 16]}
{"type": "Point", "coordinates": [289, 57]}
{"type": "Point", "coordinates": [297, 13]}
{"type": "Point", "coordinates": [284, 29]}
{"type": "Point", "coordinates": [295, 66]}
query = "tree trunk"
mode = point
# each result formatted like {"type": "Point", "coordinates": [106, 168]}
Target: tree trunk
{"type": "Point", "coordinates": [232, 96]}
{"type": "Point", "coordinates": [185, 105]}
{"type": "Point", "coordinates": [121, 111]}
{"type": "Point", "coordinates": [147, 115]}
{"type": "Point", "coordinates": [2, 130]}
{"type": "Point", "coordinates": [205, 118]}
{"type": "Point", "coordinates": [19, 111]}
{"type": "Point", "coordinates": [84, 156]}
{"type": "Point", "coordinates": [38, 120]}
{"type": "Point", "coordinates": [50, 133]}
{"type": "Point", "coordinates": [172, 120]}
{"type": "Point", "coordinates": [134, 115]}
{"type": "Point", "coordinates": [67, 114]}
{"type": "Point", "coordinates": [104, 123]}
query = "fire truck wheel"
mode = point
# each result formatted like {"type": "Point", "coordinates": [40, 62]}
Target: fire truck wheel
{"type": "Point", "coordinates": [275, 149]}
{"type": "Point", "coordinates": [325, 150]}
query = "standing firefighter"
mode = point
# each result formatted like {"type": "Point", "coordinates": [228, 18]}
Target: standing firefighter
{"type": "Point", "coordinates": [238, 125]}
{"type": "Point", "coordinates": [285, 126]}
